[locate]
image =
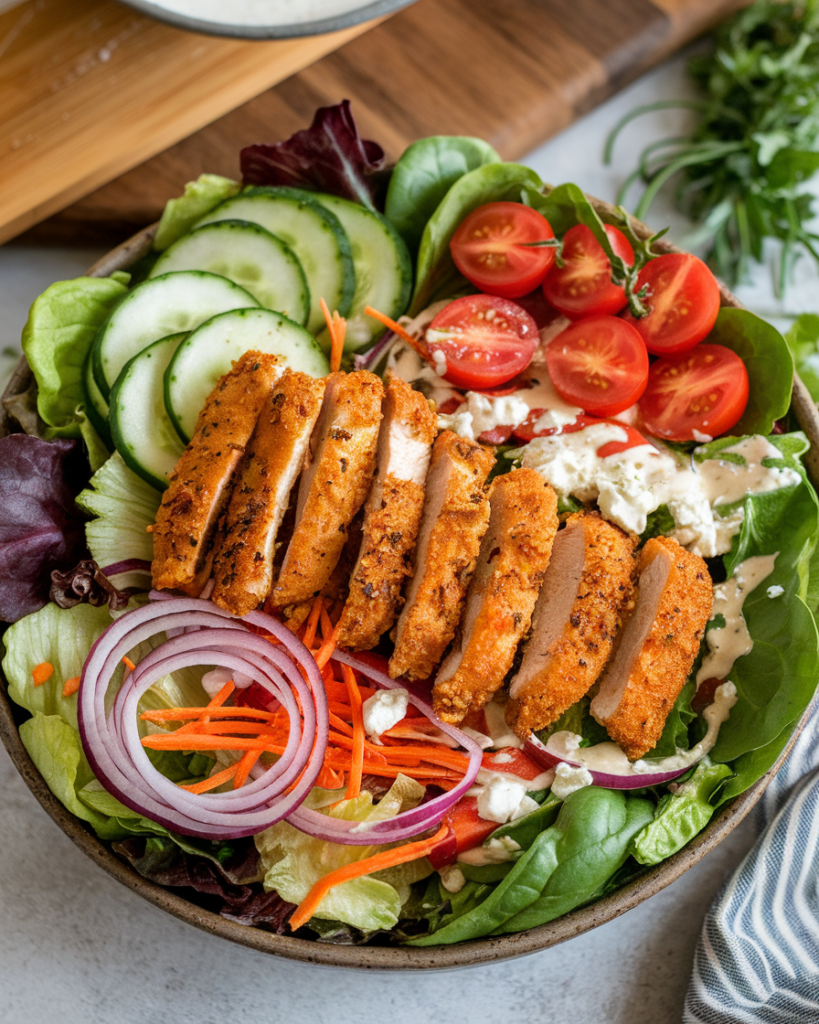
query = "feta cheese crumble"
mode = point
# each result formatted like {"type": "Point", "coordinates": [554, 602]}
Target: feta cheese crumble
{"type": "Point", "coordinates": [568, 779]}
{"type": "Point", "coordinates": [383, 710]}
{"type": "Point", "coordinates": [775, 591]}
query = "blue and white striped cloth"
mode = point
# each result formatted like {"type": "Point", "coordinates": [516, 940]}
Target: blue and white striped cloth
{"type": "Point", "coordinates": [757, 961]}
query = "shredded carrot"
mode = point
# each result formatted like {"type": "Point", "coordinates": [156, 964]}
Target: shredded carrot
{"type": "Point", "coordinates": [180, 714]}
{"type": "Point", "coordinates": [244, 766]}
{"type": "Point", "coordinates": [357, 764]}
{"type": "Point", "coordinates": [337, 349]}
{"type": "Point", "coordinates": [325, 652]}
{"type": "Point", "coordinates": [215, 780]}
{"type": "Point", "coordinates": [396, 328]}
{"type": "Point", "coordinates": [70, 686]}
{"type": "Point", "coordinates": [309, 637]}
{"type": "Point", "coordinates": [42, 673]}
{"type": "Point", "coordinates": [378, 862]}
{"type": "Point", "coordinates": [128, 664]}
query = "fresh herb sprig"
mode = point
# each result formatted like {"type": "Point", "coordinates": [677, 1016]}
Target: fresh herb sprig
{"type": "Point", "coordinates": [742, 170]}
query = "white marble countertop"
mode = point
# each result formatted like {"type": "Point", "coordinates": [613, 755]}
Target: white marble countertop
{"type": "Point", "coordinates": [77, 947]}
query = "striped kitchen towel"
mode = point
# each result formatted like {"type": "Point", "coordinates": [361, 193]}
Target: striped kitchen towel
{"type": "Point", "coordinates": [757, 961]}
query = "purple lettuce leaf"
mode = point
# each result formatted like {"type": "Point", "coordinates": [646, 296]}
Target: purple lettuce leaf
{"type": "Point", "coordinates": [41, 529]}
{"type": "Point", "coordinates": [329, 156]}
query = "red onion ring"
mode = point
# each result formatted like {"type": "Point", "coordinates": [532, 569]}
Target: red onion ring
{"type": "Point", "coordinates": [632, 779]}
{"type": "Point", "coordinates": [111, 735]}
{"type": "Point", "coordinates": [407, 823]}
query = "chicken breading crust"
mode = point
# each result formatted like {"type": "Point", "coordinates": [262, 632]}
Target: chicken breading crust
{"type": "Point", "coordinates": [392, 515]}
{"type": "Point", "coordinates": [674, 595]}
{"type": "Point", "coordinates": [514, 555]}
{"type": "Point", "coordinates": [199, 486]}
{"type": "Point", "coordinates": [454, 520]}
{"type": "Point", "coordinates": [587, 588]}
{"type": "Point", "coordinates": [333, 486]}
{"type": "Point", "coordinates": [243, 568]}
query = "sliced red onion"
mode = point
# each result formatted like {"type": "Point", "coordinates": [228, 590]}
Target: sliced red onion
{"type": "Point", "coordinates": [368, 359]}
{"type": "Point", "coordinates": [408, 823]}
{"type": "Point", "coordinates": [627, 778]}
{"type": "Point", "coordinates": [110, 728]}
{"type": "Point", "coordinates": [133, 572]}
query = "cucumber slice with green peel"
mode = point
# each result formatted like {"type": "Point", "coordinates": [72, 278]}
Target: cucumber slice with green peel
{"type": "Point", "coordinates": [140, 426]}
{"type": "Point", "coordinates": [96, 408]}
{"type": "Point", "coordinates": [313, 233]}
{"type": "Point", "coordinates": [248, 255]}
{"type": "Point", "coordinates": [209, 351]}
{"type": "Point", "coordinates": [170, 304]}
{"type": "Point", "coordinates": [383, 271]}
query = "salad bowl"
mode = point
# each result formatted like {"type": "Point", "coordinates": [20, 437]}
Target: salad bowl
{"type": "Point", "coordinates": [464, 954]}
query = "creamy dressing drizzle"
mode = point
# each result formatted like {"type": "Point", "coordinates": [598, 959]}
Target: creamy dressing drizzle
{"type": "Point", "coordinates": [731, 641]}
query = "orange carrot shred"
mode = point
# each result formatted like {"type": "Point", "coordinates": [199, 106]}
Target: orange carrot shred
{"type": "Point", "coordinates": [396, 328]}
{"type": "Point", "coordinates": [70, 686]}
{"type": "Point", "coordinates": [128, 664]}
{"type": "Point", "coordinates": [357, 763]}
{"type": "Point", "coordinates": [378, 862]}
{"type": "Point", "coordinates": [215, 780]}
{"type": "Point", "coordinates": [244, 767]}
{"type": "Point", "coordinates": [309, 637]}
{"type": "Point", "coordinates": [338, 338]}
{"type": "Point", "coordinates": [325, 652]}
{"type": "Point", "coordinates": [42, 673]}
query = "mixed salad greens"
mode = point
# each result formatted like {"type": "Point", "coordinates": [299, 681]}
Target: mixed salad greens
{"type": "Point", "coordinates": [570, 848]}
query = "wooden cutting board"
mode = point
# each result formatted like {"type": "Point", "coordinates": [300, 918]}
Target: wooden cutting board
{"type": "Point", "coordinates": [512, 71]}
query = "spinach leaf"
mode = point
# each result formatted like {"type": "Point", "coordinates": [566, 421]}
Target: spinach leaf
{"type": "Point", "coordinates": [675, 731]}
{"type": "Point", "coordinates": [680, 815]}
{"type": "Point", "coordinates": [769, 364]}
{"type": "Point", "coordinates": [61, 325]}
{"type": "Point", "coordinates": [751, 766]}
{"type": "Point", "coordinates": [659, 523]}
{"type": "Point", "coordinates": [526, 829]}
{"type": "Point", "coordinates": [591, 842]}
{"type": "Point", "coordinates": [803, 341]}
{"type": "Point", "coordinates": [436, 274]}
{"type": "Point", "coordinates": [424, 174]}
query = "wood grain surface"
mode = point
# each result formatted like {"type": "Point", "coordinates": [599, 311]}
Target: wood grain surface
{"type": "Point", "coordinates": [512, 71]}
{"type": "Point", "coordinates": [90, 89]}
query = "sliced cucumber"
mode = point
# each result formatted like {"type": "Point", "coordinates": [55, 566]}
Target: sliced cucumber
{"type": "Point", "coordinates": [313, 233]}
{"type": "Point", "coordinates": [383, 270]}
{"type": "Point", "coordinates": [249, 256]}
{"type": "Point", "coordinates": [210, 350]}
{"type": "Point", "coordinates": [96, 407]}
{"type": "Point", "coordinates": [164, 305]}
{"type": "Point", "coordinates": [140, 426]}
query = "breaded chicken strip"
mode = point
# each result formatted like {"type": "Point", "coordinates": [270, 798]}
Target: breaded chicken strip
{"type": "Point", "coordinates": [392, 515]}
{"type": "Point", "coordinates": [586, 589]}
{"type": "Point", "coordinates": [657, 646]}
{"type": "Point", "coordinates": [334, 484]}
{"type": "Point", "coordinates": [243, 568]}
{"type": "Point", "coordinates": [514, 555]}
{"type": "Point", "coordinates": [455, 517]}
{"type": "Point", "coordinates": [199, 486]}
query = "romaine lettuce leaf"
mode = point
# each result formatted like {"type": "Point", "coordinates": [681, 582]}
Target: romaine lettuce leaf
{"type": "Point", "coordinates": [803, 341]}
{"type": "Point", "coordinates": [125, 505]}
{"type": "Point", "coordinates": [199, 198]}
{"type": "Point", "coordinates": [61, 325]}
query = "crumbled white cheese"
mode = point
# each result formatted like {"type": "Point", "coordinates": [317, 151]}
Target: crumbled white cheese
{"type": "Point", "coordinates": [439, 362]}
{"type": "Point", "coordinates": [452, 878]}
{"type": "Point", "coordinates": [568, 779]}
{"type": "Point", "coordinates": [480, 413]}
{"type": "Point", "coordinates": [213, 681]}
{"type": "Point", "coordinates": [495, 851]}
{"type": "Point", "coordinates": [383, 710]}
{"type": "Point", "coordinates": [775, 591]}
{"type": "Point", "coordinates": [500, 799]}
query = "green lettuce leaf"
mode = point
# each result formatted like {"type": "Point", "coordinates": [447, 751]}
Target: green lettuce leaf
{"type": "Point", "coordinates": [199, 198]}
{"type": "Point", "coordinates": [294, 862]}
{"type": "Point", "coordinates": [124, 506]}
{"type": "Point", "coordinates": [680, 815]}
{"type": "Point", "coordinates": [61, 325]}
{"type": "Point", "coordinates": [425, 172]}
{"type": "Point", "coordinates": [803, 341]}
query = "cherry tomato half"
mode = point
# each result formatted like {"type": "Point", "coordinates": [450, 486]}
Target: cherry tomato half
{"type": "Point", "coordinates": [599, 363]}
{"type": "Point", "coordinates": [582, 286]}
{"type": "Point", "coordinates": [491, 248]}
{"type": "Point", "coordinates": [485, 340]}
{"type": "Point", "coordinates": [527, 431]}
{"type": "Point", "coordinates": [684, 302]}
{"type": "Point", "coordinates": [702, 392]}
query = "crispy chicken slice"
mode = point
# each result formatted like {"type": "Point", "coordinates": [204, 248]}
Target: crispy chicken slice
{"type": "Point", "coordinates": [392, 515]}
{"type": "Point", "coordinates": [243, 568]}
{"type": "Point", "coordinates": [455, 517]}
{"type": "Point", "coordinates": [656, 647]}
{"type": "Point", "coordinates": [514, 555]}
{"type": "Point", "coordinates": [336, 479]}
{"type": "Point", "coordinates": [199, 486]}
{"type": "Point", "coordinates": [587, 587]}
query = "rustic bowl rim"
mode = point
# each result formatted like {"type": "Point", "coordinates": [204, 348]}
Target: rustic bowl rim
{"type": "Point", "coordinates": [467, 954]}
